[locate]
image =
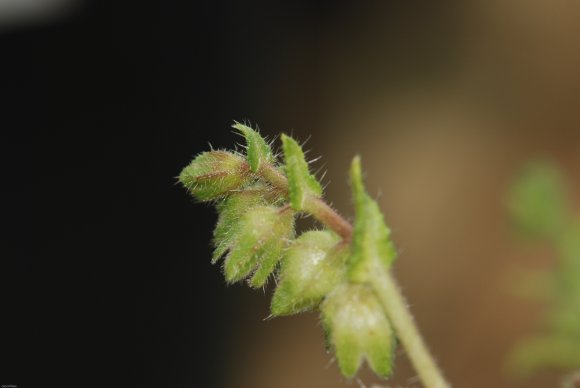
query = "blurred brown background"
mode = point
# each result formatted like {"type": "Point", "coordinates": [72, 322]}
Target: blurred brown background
{"type": "Point", "coordinates": [444, 101]}
{"type": "Point", "coordinates": [107, 280]}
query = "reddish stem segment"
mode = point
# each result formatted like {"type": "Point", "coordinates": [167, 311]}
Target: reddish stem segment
{"type": "Point", "coordinates": [329, 217]}
{"type": "Point", "coordinates": [313, 205]}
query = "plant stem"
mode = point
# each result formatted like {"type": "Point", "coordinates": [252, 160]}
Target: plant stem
{"type": "Point", "coordinates": [322, 211]}
{"type": "Point", "coordinates": [274, 176]}
{"type": "Point", "coordinates": [383, 283]}
{"type": "Point", "coordinates": [329, 217]}
{"type": "Point", "coordinates": [394, 303]}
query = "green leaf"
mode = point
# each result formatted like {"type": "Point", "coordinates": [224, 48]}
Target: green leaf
{"type": "Point", "coordinates": [311, 268]}
{"type": "Point", "coordinates": [371, 244]}
{"type": "Point", "coordinates": [357, 328]}
{"type": "Point", "coordinates": [230, 212]}
{"type": "Point", "coordinates": [262, 235]}
{"type": "Point", "coordinates": [300, 182]}
{"type": "Point", "coordinates": [212, 175]}
{"type": "Point", "coordinates": [258, 151]}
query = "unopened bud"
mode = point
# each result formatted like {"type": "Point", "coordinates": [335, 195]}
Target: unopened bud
{"type": "Point", "coordinates": [357, 328]}
{"type": "Point", "coordinates": [214, 174]}
{"type": "Point", "coordinates": [311, 268]}
{"type": "Point", "coordinates": [264, 233]}
{"type": "Point", "coordinates": [231, 210]}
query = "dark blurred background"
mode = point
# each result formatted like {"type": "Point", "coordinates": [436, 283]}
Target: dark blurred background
{"type": "Point", "coordinates": [105, 273]}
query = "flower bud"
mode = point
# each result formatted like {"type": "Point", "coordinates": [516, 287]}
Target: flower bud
{"type": "Point", "coordinates": [213, 174]}
{"type": "Point", "coordinates": [263, 234]}
{"type": "Point", "coordinates": [311, 268]}
{"type": "Point", "coordinates": [230, 212]}
{"type": "Point", "coordinates": [357, 328]}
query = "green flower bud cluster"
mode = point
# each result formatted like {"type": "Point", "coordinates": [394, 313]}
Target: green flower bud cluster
{"type": "Point", "coordinates": [258, 199]}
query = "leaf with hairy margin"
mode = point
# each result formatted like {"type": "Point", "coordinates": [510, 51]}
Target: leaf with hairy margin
{"type": "Point", "coordinates": [300, 182]}
{"type": "Point", "coordinates": [213, 175]}
{"type": "Point", "coordinates": [371, 245]}
{"type": "Point", "coordinates": [258, 150]}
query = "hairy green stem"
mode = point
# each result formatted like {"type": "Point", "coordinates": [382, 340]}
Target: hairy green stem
{"type": "Point", "coordinates": [274, 176]}
{"type": "Point", "coordinates": [382, 281]}
{"type": "Point", "coordinates": [395, 306]}
{"type": "Point", "coordinates": [329, 217]}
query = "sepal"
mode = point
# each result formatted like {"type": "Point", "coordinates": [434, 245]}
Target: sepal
{"type": "Point", "coordinates": [311, 268]}
{"type": "Point", "coordinates": [263, 234]}
{"type": "Point", "coordinates": [357, 329]}
{"type": "Point", "coordinates": [230, 211]}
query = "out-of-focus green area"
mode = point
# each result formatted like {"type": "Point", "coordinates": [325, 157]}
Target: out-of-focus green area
{"type": "Point", "coordinates": [540, 208]}
{"type": "Point", "coordinates": [538, 201]}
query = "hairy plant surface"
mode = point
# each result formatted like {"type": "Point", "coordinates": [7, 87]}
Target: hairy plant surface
{"type": "Point", "coordinates": [340, 270]}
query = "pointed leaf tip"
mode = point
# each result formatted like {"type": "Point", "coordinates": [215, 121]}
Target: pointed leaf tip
{"type": "Point", "coordinates": [356, 176]}
{"type": "Point", "coordinates": [300, 182]}
{"type": "Point", "coordinates": [258, 150]}
{"type": "Point", "coordinates": [371, 244]}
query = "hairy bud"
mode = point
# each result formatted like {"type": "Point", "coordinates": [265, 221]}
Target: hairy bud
{"type": "Point", "coordinates": [213, 174]}
{"type": "Point", "coordinates": [231, 210]}
{"type": "Point", "coordinates": [357, 328]}
{"type": "Point", "coordinates": [311, 268]}
{"type": "Point", "coordinates": [262, 235]}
